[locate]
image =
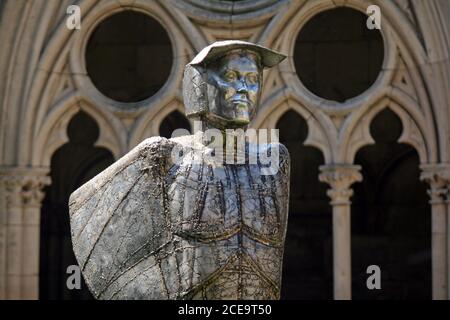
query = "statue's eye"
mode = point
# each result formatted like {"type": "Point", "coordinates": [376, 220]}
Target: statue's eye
{"type": "Point", "coordinates": [252, 78]}
{"type": "Point", "coordinates": [230, 76]}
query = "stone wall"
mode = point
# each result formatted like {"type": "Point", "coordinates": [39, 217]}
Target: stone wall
{"type": "Point", "coordinates": [44, 83]}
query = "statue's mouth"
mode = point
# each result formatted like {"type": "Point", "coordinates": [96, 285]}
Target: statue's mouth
{"type": "Point", "coordinates": [241, 101]}
{"type": "Point", "coordinates": [242, 115]}
{"type": "Point", "coordinates": [241, 121]}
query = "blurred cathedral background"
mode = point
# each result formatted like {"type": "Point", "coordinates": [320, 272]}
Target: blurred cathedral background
{"type": "Point", "coordinates": [364, 112]}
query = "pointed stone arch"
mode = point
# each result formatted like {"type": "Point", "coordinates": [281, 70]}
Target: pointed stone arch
{"type": "Point", "coordinates": [53, 132]}
{"type": "Point", "coordinates": [172, 122]}
{"type": "Point", "coordinates": [149, 122]}
{"type": "Point", "coordinates": [391, 213]}
{"type": "Point", "coordinates": [357, 134]}
{"type": "Point", "coordinates": [72, 164]}
{"type": "Point", "coordinates": [322, 132]}
{"type": "Point", "coordinates": [60, 61]}
{"type": "Point", "coordinates": [308, 253]}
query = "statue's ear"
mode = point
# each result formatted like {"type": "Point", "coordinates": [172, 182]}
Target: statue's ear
{"type": "Point", "coordinates": [194, 91]}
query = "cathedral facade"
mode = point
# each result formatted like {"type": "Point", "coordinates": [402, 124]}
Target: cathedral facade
{"type": "Point", "coordinates": [362, 102]}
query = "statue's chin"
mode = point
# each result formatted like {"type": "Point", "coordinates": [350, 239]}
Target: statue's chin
{"type": "Point", "coordinates": [236, 123]}
{"type": "Point", "coordinates": [221, 122]}
{"type": "Point", "coordinates": [240, 122]}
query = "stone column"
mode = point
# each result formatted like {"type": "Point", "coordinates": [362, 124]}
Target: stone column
{"type": "Point", "coordinates": [447, 203]}
{"type": "Point", "coordinates": [434, 175]}
{"type": "Point", "coordinates": [340, 177]}
{"type": "Point", "coordinates": [20, 224]}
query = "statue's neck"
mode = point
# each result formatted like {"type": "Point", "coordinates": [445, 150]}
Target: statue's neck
{"type": "Point", "coordinates": [207, 131]}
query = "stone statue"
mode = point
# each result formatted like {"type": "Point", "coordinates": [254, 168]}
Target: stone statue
{"type": "Point", "coordinates": [173, 218]}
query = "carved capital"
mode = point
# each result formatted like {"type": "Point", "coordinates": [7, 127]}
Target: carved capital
{"type": "Point", "coordinates": [24, 187]}
{"type": "Point", "coordinates": [340, 177]}
{"type": "Point", "coordinates": [438, 178]}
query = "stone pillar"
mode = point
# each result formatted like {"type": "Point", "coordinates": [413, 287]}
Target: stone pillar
{"type": "Point", "coordinates": [340, 177]}
{"type": "Point", "coordinates": [446, 175]}
{"type": "Point", "coordinates": [434, 175]}
{"type": "Point", "coordinates": [20, 224]}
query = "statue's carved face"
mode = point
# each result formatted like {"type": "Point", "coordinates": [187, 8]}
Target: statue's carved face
{"type": "Point", "coordinates": [234, 88]}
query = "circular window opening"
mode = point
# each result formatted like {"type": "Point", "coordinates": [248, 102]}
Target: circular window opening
{"type": "Point", "coordinates": [129, 56]}
{"type": "Point", "coordinates": [336, 56]}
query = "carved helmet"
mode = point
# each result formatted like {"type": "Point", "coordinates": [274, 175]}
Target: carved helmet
{"type": "Point", "coordinates": [194, 80]}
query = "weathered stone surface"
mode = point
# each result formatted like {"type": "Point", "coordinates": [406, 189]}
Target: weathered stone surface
{"type": "Point", "coordinates": [144, 230]}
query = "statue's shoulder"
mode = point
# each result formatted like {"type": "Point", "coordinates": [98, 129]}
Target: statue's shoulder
{"type": "Point", "coordinates": [156, 150]}
{"type": "Point", "coordinates": [283, 151]}
{"type": "Point", "coordinates": [117, 222]}
{"type": "Point", "coordinates": [272, 157]}
{"type": "Point", "coordinates": [187, 141]}
{"type": "Point", "coordinates": [280, 154]}
{"type": "Point", "coordinates": [278, 147]}
{"type": "Point", "coordinates": [285, 159]}
{"type": "Point", "coordinates": [155, 147]}
{"type": "Point", "coordinates": [150, 153]}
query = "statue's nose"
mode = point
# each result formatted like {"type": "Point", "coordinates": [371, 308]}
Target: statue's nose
{"type": "Point", "coordinates": [241, 86]}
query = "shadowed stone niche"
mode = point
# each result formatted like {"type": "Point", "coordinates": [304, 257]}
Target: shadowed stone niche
{"type": "Point", "coordinates": [173, 121]}
{"type": "Point", "coordinates": [391, 217]}
{"type": "Point", "coordinates": [71, 166]}
{"type": "Point", "coordinates": [308, 257]}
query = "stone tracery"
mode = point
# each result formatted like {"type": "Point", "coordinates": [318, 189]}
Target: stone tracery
{"type": "Point", "coordinates": [339, 134]}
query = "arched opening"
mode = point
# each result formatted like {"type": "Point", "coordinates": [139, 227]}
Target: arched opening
{"type": "Point", "coordinates": [336, 56]}
{"type": "Point", "coordinates": [173, 121]}
{"type": "Point", "coordinates": [72, 165]}
{"type": "Point", "coordinates": [129, 56]}
{"type": "Point", "coordinates": [307, 265]}
{"type": "Point", "coordinates": [391, 217]}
